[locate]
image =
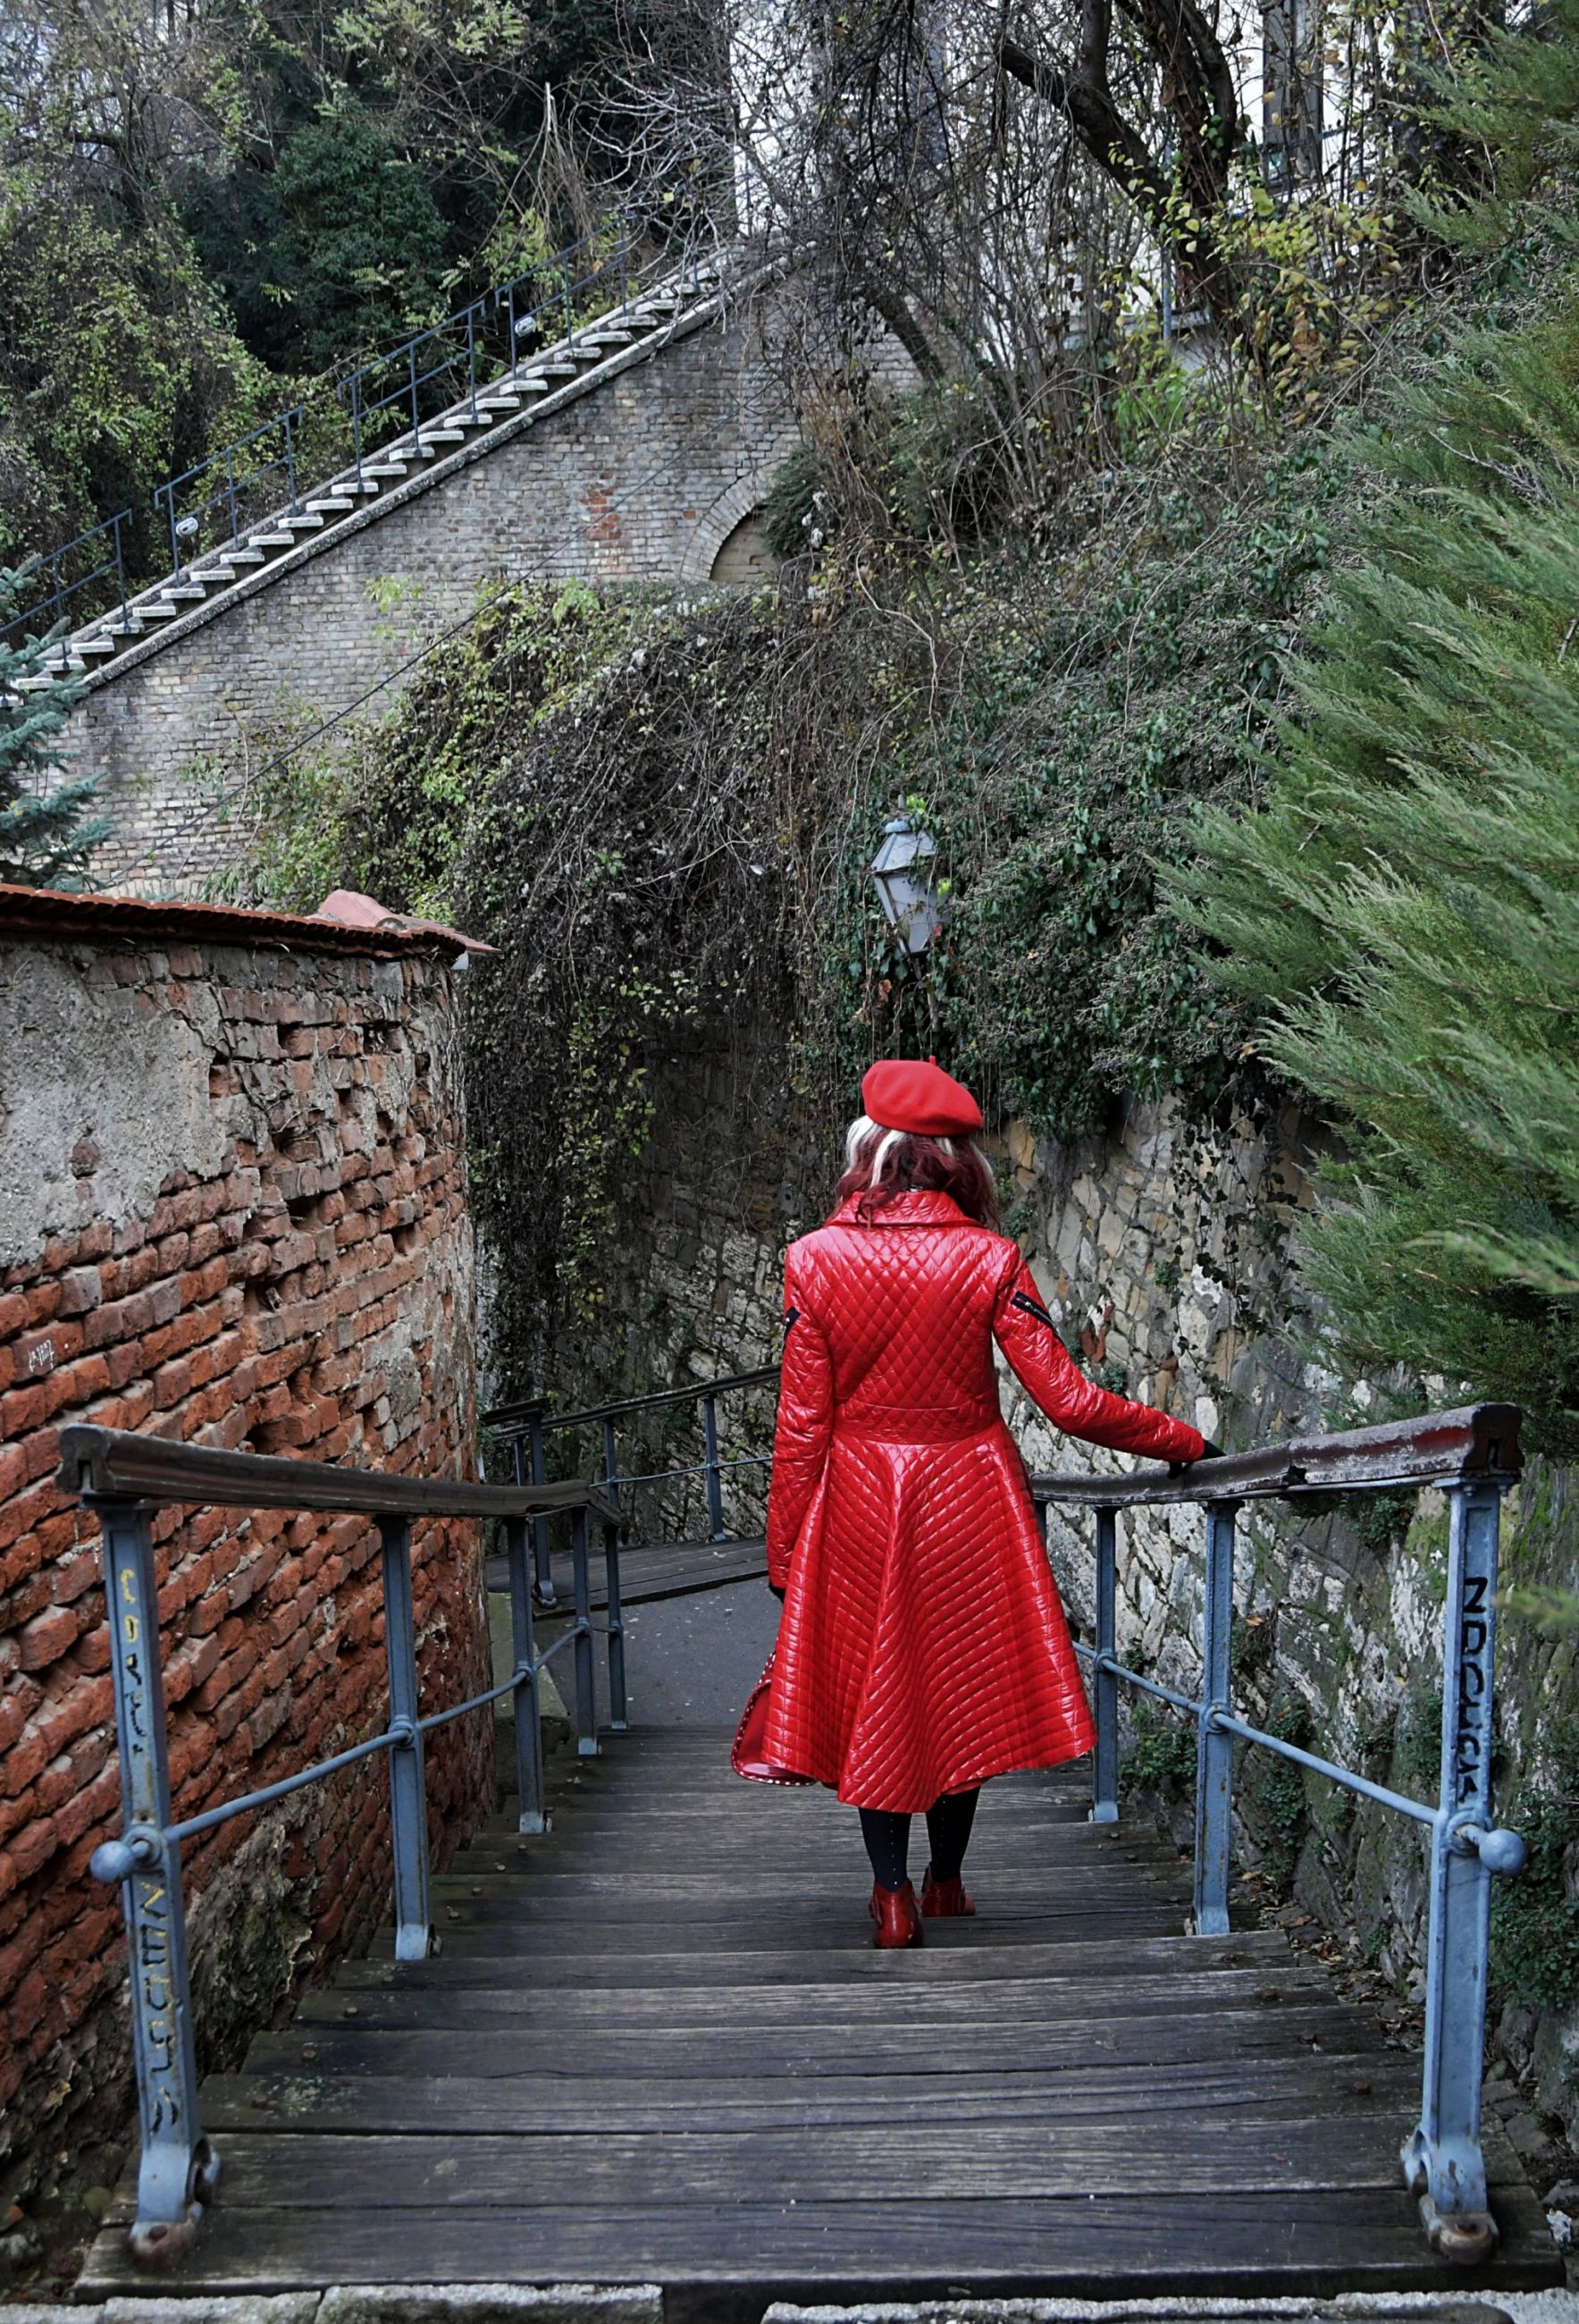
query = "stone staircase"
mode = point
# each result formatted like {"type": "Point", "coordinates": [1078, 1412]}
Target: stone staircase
{"type": "Point", "coordinates": [669, 307]}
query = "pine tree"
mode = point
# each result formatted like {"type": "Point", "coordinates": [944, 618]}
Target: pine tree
{"type": "Point", "coordinates": [46, 832]}
{"type": "Point", "coordinates": [1403, 910]}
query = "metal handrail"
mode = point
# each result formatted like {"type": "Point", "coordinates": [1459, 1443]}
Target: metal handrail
{"type": "Point", "coordinates": [186, 524]}
{"type": "Point", "coordinates": [525, 1422]}
{"type": "Point", "coordinates": [122, 1478]}
{"type": "Point", "coordinates": [53, 603]}
{"type": "Point", "coordinates": [1473, 1455]}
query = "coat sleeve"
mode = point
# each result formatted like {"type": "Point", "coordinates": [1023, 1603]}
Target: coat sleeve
{"type": "Point", "coordinates": [1028, 1337]}
{"type": "Point", "coordinates": [802, 1437]}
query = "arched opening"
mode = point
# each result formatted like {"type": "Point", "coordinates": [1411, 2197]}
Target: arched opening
{"type": "Point", "coordinates": [744, 560]}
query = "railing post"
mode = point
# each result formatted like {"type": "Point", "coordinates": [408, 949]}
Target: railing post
{"type": "Point", "coordinates": [528, 1709]}
{"type": "Point", "coordinates": [121, 570]}
{"type": "Point", "coordinates": [540, 1544]}
{"type": "Point", "coordinates": [617, 1717]}
{"type": "Point", "coordinates": [407, 1784]}
{"type": "Point", "coordinates": [290, 463]}
{"type": "Point", "coordinates": [177, 2170]}
{"type": "Point", "coordinates": [611, 1464]}
{"type": "Point", "coordinates": [715, 1488]}
{"type": "Point", "coordinates": [587, 1701]}
{"type": "Point", "coordinates": [1442, 2160]}
{"type": "Point", "coordinates": [1104, 1767]}
{"type": "Point", "coordinates": [1213, 1761]}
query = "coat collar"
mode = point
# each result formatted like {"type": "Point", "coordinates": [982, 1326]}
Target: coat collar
{"type": "Point", "coordinates": [917, 1208]}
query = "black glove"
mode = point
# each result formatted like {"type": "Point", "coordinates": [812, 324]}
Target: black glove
{"type": "Point", "coordinates": [777, 1592]}
{"type": "Point", "coordinates": [1208, 1451]}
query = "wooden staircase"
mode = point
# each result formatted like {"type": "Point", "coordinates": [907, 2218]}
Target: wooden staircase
{"type": "Point", "coordinates": [656, 2047]}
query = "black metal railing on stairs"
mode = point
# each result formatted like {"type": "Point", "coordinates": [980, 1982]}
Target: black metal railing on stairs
{"type": "Point", "coordinates": [123, 1478]}
{"type": "Point", "coordinates": [342, 419]}
{"type": "Point", "coordinates": [1471, 1456]}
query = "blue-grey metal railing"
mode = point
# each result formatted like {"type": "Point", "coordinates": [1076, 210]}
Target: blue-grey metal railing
{"type": "Point", "coordinates": [1472, 1455]}
{"type": "Point", "coordinates": [526, 1425]}
{"type": "Point", "coordinates": [123, 1478]}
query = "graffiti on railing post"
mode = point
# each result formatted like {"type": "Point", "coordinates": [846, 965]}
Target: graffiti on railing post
{"type": "Point", "coordinates": [1443, 2160]}
{"type": "Point", "coordinates": [408, 1777]}
{"type": "Point", "coordinates": [176, 2171]}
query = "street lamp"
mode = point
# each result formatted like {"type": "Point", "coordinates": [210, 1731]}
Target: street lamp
{"type": "Point", "coordinates": [902, 870]}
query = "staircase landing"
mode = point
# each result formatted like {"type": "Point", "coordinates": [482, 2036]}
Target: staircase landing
{"type": "Point", "coordinates": [658, 2049]}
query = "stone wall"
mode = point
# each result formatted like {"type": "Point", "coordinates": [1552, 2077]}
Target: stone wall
{"type": "Point", "coordinates": [643, 478]}
{"type": "Point", "coordinates": [233, 1212]}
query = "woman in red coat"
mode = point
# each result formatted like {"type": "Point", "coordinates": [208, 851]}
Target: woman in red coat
{"type": "Point", "coordinates": [923, 1647]}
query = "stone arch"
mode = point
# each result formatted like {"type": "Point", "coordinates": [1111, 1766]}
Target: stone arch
{"type": "Point", "coordinates": [739, 500]}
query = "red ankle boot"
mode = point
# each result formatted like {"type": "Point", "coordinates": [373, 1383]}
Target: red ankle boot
{"type": "Point", "coordinates": [944, 1900]}
{"type": "Point", "coordinates": [897, 1916]}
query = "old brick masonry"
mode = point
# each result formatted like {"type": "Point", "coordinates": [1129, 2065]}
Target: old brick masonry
{"type": "Point", "coordinates": [232, 1210]}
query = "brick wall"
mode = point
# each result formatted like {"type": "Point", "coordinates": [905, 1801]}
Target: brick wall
{"type": "Point", "coordinates": [233, 1212]}
{"type": "Point", "coordinates": [640, 479]}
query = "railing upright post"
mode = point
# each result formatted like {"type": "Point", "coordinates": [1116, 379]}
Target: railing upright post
{"type": "Point", "coordinates": [230, 494]}
{"type": "Point", "coordinates": [617, 1716]}
{"type": "Point", "coordinates": [587, 1701]}
{"type": "Point", "coordinates": [168, 492]}
{"type": "Point", "coordinates": [291, 465]}
{"type": "Point", "coordinates": [177, 2168]}
{"type": "Point", "coordinates": [523, 1648]}
{"type": "Point", "coordinates": [540, 1544]}
{"type": "Point", "coordinates": [121, 570]}
{"type": "Point", "coordinates": [408, 1782]}
{"type": "Point", "coordinates": [1214, 1763]}
{"type": "Point", "coordinates": [715, 1483]}
{"type": "Point", "coordinates": [1443, 2162]}
{"type": "Point", "coordinates": [611, 1464]}
{"type": "Point", "coordinates": [1104, 1767]}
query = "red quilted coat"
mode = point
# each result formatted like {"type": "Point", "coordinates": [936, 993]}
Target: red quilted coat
{"type": "Point", "coordinates": [922, 1646]}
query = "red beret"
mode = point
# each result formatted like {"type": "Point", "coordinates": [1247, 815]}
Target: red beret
{"type": "Point", "coordinates": [902, 1093]}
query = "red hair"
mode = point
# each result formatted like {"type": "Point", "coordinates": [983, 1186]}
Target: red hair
{"type": "Point", "coordinates": [882, 1163]}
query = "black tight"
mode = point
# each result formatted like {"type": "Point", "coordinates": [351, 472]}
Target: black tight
{"type": "Point", "coordinates": [947, 1830]}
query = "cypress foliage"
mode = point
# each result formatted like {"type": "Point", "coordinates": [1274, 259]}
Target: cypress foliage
{"type": "Point", "coordinates": [46, 833]}
{"type": "Point", "coordinates": [1403, 912]}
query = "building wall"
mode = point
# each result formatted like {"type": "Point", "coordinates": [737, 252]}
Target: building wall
{"type": "Point", "coordinates": [234, 1212]}
{"type": "Point", "coordinates": [639, 480]}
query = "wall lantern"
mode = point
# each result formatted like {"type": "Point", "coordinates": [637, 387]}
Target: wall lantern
{"type": "Point", "coordinates": [902, 870]}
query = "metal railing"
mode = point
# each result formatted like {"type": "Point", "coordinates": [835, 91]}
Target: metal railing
{"type": "Point", "coordinates": [122, 1478]}
{"type": "Point", "coordinates": [526, 1425]}
{"type": "Point", "coordinates": [238, 469]}
{"type": "Point", "coordinates": [1472, 1456]}
{"type": "Point", "coordinates": [104, 543]}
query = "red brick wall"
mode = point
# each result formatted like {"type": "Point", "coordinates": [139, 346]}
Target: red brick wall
{"type": "Point", "coordinates": [232, 1209]}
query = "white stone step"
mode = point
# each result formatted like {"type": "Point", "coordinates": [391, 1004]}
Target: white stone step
{"type": "Point", "coordinates": [271, 539]}
{"type": "Point", "coordinates": [244, 556]}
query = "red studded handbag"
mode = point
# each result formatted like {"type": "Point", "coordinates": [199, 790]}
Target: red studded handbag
{"type": "Point", "coordinates": [749, 1755]}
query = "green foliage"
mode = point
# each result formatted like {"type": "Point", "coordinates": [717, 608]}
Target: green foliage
{"type": "Point", "coordinates": [1272, 1795]}
{"type": "Point", "coordinates": [340, 246]}
{"type": "Point", "coordinates": [1100, 701]}
{"type": "Point", "coordinates": [46, 833]}
{"type": "Point", "coordinates": [1161, 1755]}
{"type": "Point", "coordinates": [1402, 911]}
{"type": "Point", "coordinates": [1535, 1919]}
